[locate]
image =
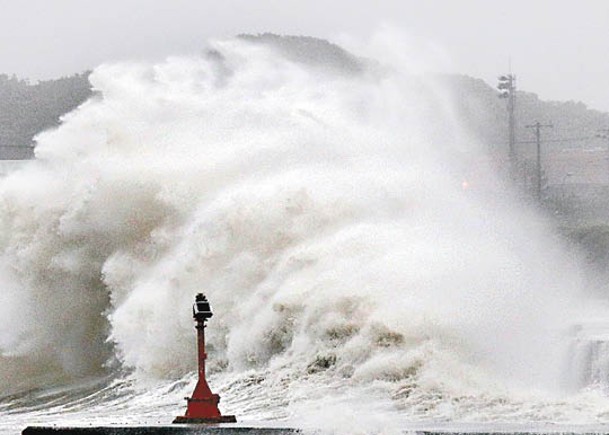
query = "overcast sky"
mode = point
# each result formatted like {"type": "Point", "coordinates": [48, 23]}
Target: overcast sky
{"type": "Point", "coordinates": [559, 49]}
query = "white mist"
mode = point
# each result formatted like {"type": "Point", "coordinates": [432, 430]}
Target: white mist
{"type": "Point", "coordinates": [323, 213]}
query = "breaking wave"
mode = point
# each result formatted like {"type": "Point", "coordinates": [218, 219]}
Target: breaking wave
{"type": "Point", "coordinates": [320, 205]}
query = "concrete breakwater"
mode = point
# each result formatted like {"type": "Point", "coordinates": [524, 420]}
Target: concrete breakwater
{"type": "Point", "coordinates": [157, 430]}
{"type": "Point", "coordinates": [238, 430]}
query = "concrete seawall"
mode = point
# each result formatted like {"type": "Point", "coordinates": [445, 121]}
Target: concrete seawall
{"type": "Point", "coordinates": [236, 430]}
{"type": "Point", "coordinates": [157, 430]}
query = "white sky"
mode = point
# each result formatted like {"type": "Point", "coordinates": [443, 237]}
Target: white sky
{"type": "Point", "coordinates": [559, 48]}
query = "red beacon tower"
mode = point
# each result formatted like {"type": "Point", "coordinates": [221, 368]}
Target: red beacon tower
{"type": "Point", "coordinates": [202, 407]}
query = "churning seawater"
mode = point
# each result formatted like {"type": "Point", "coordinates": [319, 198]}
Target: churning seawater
{"type": "Point", "coordinates": [318, 200]}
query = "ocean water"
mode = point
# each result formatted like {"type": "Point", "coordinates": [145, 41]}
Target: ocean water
{"type": "Point", "coordinates": [359, 282]}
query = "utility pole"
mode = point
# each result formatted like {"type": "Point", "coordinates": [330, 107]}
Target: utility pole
{"type": "Point", "coordinates": [603, 133]}
{"type": "Point", "coordinates": [538, 126]}
{"type": "Point", "coordinates": [507, 88]}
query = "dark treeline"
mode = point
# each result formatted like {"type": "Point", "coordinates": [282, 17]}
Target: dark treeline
{"type": "Point", "coordinates": [27, 109]}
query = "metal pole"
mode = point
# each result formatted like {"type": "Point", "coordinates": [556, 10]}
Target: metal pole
{"type": "Point", "coordinates": [512, 126]}
{"type": "Point", "coordinates": [201, 348]}
{"type": "Point", "coordinates": [604, 134]}
{"type": "Point", "coordinates": [538, 141]}
{"type": "Point", "coordinates": [538, 126]}
{"type": "Point", "coordinates": [507, 88]}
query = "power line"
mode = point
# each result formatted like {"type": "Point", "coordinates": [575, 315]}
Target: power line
{"type": "Point", "coordinates": [567, 139]}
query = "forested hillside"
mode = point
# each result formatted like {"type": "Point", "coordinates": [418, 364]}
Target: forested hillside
{"type": "Point", "coordinates": [484, 115]}
{"type": "Point", "coordinates": [27, 109]}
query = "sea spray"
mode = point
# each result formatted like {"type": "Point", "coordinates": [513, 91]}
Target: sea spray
{"type": "Point", "coordinates": [322, 211]}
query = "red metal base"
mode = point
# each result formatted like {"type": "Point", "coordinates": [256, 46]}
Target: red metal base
{"type": "Point", "coordinates": [203, 407]}
{"type": "Point", "coordinates": [193, 420]}
{"type": "Point", "coordinates": [204, 411]}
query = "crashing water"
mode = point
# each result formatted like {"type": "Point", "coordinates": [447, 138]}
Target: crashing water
{"type": "Point", "coordinates": [356, 282]}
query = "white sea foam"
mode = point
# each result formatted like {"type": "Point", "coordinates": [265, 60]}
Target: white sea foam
{"type": "Point", "coordinates": [322, 212]}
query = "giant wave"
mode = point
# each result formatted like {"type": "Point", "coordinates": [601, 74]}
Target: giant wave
{"type": "Point", "coordinates": [321, 207]}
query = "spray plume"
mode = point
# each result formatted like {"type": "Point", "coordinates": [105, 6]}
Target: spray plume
{"type": "Point", "coordinates": [322, 211]}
